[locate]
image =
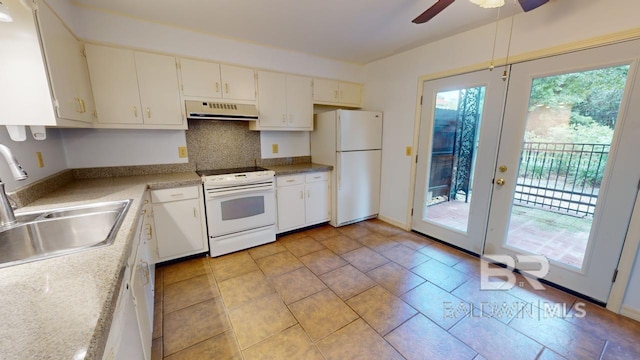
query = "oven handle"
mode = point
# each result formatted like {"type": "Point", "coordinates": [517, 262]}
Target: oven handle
{"type": "Point", "coordinates": [227, 193]}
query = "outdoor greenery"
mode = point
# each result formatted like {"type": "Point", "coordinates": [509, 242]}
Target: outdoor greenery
{"type": "Point", "coordinates": [594, 94]}
{"type": "Point", "coordinates": [593, 98]}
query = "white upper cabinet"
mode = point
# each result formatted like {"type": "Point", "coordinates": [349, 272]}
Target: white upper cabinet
{"type": "Point", "coordinates": [334, 92]}
{"type": "Point", "coordinates": [67, 66]}
{"type": "Point", "coordinates": [42, 62]}
{"type": "Point", "coordinates": [285, 102]}
{"type": "Point", "coordinates": [159, 91]}
{"type": "Point", "coordinates": [135, 89]}
{"type": "Point", "coordinates": [201, 79]}
{"type": "Point", "coordinates": [238, 83]}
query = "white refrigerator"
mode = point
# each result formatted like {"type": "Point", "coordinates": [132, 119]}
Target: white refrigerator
{"type": "Point", "coordinates": [350, 141]}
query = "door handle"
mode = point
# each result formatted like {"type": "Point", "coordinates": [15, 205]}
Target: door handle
{"type": "Point", "coordinates": [500, 182]}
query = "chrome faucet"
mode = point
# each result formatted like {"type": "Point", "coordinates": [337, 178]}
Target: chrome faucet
{"type": "Point", "coordinates": [7, 217]}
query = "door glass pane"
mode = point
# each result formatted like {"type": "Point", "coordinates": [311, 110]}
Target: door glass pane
{"type": "Point", "coordinates": [570, 124]}
{"type": "Point", "coordinates": [456, 122]}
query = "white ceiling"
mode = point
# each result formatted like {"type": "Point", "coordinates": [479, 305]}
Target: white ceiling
{"type": "Point", "coordinates": [358, 31]}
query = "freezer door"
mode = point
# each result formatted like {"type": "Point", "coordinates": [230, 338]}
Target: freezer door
{"type": "Point", "coordinates": [359, 130]}
{"type": "Point", "coordinates": [358, 185]}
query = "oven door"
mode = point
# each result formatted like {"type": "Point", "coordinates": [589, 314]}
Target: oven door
{"type": "Point", "coordinates": [237, 210]}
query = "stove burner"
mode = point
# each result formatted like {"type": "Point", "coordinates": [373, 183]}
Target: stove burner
{"type": "Point", "coordinates": [230, 171]}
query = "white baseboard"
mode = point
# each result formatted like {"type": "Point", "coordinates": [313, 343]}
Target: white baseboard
{"type": "Point", "coordinates": [630, 312]}
{"type": "Point", "coordinates": [394, 222]}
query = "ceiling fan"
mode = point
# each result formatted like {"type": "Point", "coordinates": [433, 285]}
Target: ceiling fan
{"type": "Point", "coordinates": [435, 9]}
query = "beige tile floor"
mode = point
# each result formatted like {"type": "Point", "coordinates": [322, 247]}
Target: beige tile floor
{"type": "Point", "coordinates": [369, 291]}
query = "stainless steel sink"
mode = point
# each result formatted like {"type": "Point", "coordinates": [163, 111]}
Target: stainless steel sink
{"type": "Point", "coordinates": [45, 234]}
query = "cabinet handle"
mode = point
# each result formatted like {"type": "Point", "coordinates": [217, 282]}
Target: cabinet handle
{"type": "Point", "coordinates": [146, 273]}
{"type": "Point", "coordinates": [308, 194]}
{"type": "Point", "coordinates": [149, 113]}
{"type": "Point", "coordinates": [176, 195]}
{"type": "Point", "coordinates": [83, 106]}
{"type": "Point", "coordinates": [291, 180]}
{"type": "Point", "coordinates": [301, 194]}
{"type": "Point", "coordinates": [340, 94]}
{"type": "Point", "coordinates": [336, 95]}
{"type": "Point", "coordinates": [135, 111]}
{"type": "Point", "coordinates": [149, 231]}
{"type": "Point", "coordinates": [217, 87]}
{"type": "Point", "coordinates": [317, 177]}
{"type": "Point", "coordinates": [290, 118]}
{"type": "Point", "coordinates": [194, 213]}
{"type": "Point", "coordinates": [284, 118]}
{"type": "Point", "coordinates": [78, 107]}
{"type": "Point", "coordinates": [226, 87]}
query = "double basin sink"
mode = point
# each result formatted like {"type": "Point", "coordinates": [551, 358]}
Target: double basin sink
{"type": "Point", "coordinates": [55, 232]}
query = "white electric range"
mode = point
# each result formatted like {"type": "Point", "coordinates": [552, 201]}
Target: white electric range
{"type": "Point", "coordinates": [240, 207]}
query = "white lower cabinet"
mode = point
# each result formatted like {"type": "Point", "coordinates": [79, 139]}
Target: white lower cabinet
{"type": "Point", "coordinates": [302, 200]}
{"type": "Point", "coordinates": [132, 323]}
{"type": "Point", "coordinates": [179, 226]}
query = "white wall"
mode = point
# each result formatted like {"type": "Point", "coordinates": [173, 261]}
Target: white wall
{"type": "Point", "coordinates": [290, 144]}
{"type": "Point", "coordinates": [103, 147]}
{"type": "Point", "coordinates": [391, 84]}
{"type": "Point", "coordinates": [631, 300]}
{"type": "Point", "coordinates": [25, 152]}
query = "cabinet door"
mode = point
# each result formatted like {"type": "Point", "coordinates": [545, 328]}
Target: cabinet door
{"type": "Point", "coordinates": [291, 211]}
{"type": "Point", "coordinates": [159, 91]}
{"type": "Point", "coordinates": [66, 68]}
{"type": "Point", "coordinates": [350, 93]}
{"type": "Point", "coordinates": [271, 97]}
{"type": "Point", "coordinates": [299, 102]}
{"type": "Point", "coordinates": [317, 206]}
{"type": "Point", "coordinates": [178, 228]}
{"type": "Point", "coordinates": [115, 84]}
{"type": "Point", "coordinates": [325, 90]}
{"type": "Point", "coordinates": [200, 79]}
{"type": "Point", "coordinates": [142, 290]}
{"type": "Point", "coordinates": [238, 83]}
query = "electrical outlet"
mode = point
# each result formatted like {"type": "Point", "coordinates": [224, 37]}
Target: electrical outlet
{"type": "Point", "coordinates": [182, 151]}
{"type": "Point", "coordinates": [40, 160]}
{"type": "Point", "coordinates": [274, 148]}
{"type": "Point", "coordinates": [407, 151]}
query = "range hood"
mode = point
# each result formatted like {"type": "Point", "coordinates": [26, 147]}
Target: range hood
{"type": "Point", "coordinates": [203, 110]}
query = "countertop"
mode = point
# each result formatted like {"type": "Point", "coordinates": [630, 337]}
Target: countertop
{"type": "Point", "coordinates": [61, 308]}
{"type": "Point", "coordinates": [298, 168]}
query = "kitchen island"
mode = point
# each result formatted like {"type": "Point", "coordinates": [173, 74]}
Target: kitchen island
{"type": "Point", "coordinates": [62, 307]}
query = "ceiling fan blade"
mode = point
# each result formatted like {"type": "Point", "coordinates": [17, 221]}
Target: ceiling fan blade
{"type": "Point", "coordinates": [528, 5]}
{"type": "Point", "coordinates": [434, 10]}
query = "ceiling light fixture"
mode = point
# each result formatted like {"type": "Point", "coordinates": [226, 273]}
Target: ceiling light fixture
{"type": "Point", "coordinates": [488, 4]}
{"type": "Point", "coordinates": [5, 15]}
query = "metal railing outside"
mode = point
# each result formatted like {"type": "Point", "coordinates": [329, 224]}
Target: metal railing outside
{"type": "Point", "coordinates": [565, 177]}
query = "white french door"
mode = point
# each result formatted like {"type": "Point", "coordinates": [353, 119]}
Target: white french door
{"type": "Point", "coordinates": [566, 177]}
{"type": "Point", "coordinates": [459, 130]}
{"type": "Point", "coordinates": [556, 174]}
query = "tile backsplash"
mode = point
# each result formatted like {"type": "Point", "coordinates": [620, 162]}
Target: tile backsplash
{"type": "Point", "coordinates": [220, 144]}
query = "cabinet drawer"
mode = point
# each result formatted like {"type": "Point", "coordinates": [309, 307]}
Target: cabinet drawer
{"type": "Point", "coordinates": [289, 180]}
{"type": "Point", "coordinates": [182, 193]}
{"type": "Point", "coordinates": [318, 176]}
